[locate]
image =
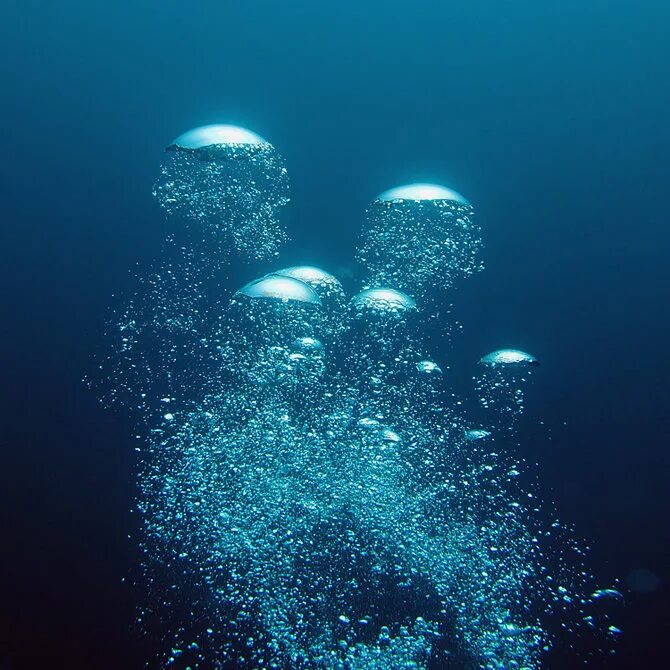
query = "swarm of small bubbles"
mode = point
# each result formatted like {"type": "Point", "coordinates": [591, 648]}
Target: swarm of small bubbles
{"type": "Point", "coordinates": [312, 492]}
{"type": "Point", "coordinates": [231, 180]}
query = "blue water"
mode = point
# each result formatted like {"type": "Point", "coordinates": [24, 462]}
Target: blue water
{"type": "Point", "coordinates": [550, 120]}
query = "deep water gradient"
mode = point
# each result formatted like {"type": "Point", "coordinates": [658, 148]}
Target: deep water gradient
{"type": "Point", "coordinates": [550, 117]}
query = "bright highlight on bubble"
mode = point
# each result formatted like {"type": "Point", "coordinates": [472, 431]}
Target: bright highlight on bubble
{"type": "Point", "coordinates": [309, 274]}
{"type": "Point", "coordinates": [329, 289]}
{"type": "Point", "coordinates": [308, 344]}
{"type": "Point", "coordinates": [280, 288]}
{"type": "Point", "coordinates": [429, 368]}
{"type": "Point", "coordinates": [477, 434]}
{"type": "Point", "coordinates": [512, 357]}
{"type": "Point", "coordinates": [422, 192]}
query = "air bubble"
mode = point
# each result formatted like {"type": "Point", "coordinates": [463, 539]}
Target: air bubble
{"type": "Point", "coordinates": [383, 300]}
{"type": "Point", "coordinates": [509, 357]}
{"type": "Point", "coordinates": [229, 181]}
{"type": "Point", "coordinates": [420, 238]}
{"type": "Point", "coordinates": [280, 288]}
{"type": "Point", "coordinates": [429, 368]}
{"type": "Point", "coordinates": [215, 135]}
{"type": "Point", "coordinates": [422, 192]}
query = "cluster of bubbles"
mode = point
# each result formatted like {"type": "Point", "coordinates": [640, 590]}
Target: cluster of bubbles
{"type": "Point", "coordinates": [231, 180]}
{"type": "Point", "coordinates": [500, 383]}
{"type": "Point", "coordinates": [418, 237]}
{"type": "Point", "coordinates": [312, 493]}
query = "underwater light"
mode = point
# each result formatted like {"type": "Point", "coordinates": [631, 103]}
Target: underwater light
{"type": "Point", "coordinates": [422, 192]}
{"type": "Point", "coordinates": [205, 136]}
{"type": "Point", "coordinates": [309, 274]}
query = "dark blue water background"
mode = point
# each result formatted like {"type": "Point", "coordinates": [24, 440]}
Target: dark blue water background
{"type": "Point", "coordinates": [551, 117]}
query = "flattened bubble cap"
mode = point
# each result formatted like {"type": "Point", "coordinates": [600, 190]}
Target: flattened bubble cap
{"type": "Point", "coordinates": [384, 299]}
{"type": "Point", "coordinates": [429, 368]}
{"type": "Point", "coordinates": [206, 136]}
{"type": "Point", "coordinates": [389, 435]}
{"type": "Point", "coordinates": [310, 344]}
{"type": "Point", "coordinates": [422, 192]}
{"type": "Point", "coordinates": [280, 288]}
{"type": "Point", "coordinates": [477, 434]}
{"type": "Point", "coordinates": [513, 357]}
{"type": "Point", "coordinates": [309, 274]}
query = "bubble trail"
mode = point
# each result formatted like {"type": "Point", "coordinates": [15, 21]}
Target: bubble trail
{"type": "Point", "coordinates": [501, 380]}
{"type": "Point", "coordinates": [312, 494]}
{"type": "Point", "coordinates": [429, 368]}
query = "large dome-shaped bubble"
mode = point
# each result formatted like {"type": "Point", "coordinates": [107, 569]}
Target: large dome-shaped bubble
{"type": "Point", "coordinates": [474, 434]}
{"type": "Point", "coordinates": [214, 135]}
{"type": "Point", "coordinates": [509, 357]}
{"type": "Point", "coordinates": [308, 345]}
{"type": "Point", "coordinates": [384, 300]}
{"type": "Point", "coordinates": [325, 284]}
{"type": "Point", "coordinates": [260, 328]}
{"type": "Point", "coordinates": [422, 191]}
{"type": "Point", "coordinates": [310, 274]}
{"type": "Point", "coordinates": [419, 237]}
{"type": "Point", "coordinates": [229, 180]}
{"type": "Point", "coordinates": [280, 288]}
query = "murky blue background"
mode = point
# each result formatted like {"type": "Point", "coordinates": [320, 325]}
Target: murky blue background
{"type": "Point", "coordinates": [550, 117]}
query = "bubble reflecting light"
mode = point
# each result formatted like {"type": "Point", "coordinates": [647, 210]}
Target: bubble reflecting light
{"type": "Point", "coordinates": [429, 368]}
{"type": "Point", "coordinates": [311, 492]}
{"type": "Point", "coordinates": [280, 288]}
{"type": "Point", "coordinates": [419, 237]}
{"type": "Point", "coordinates": [477, 434]}
{"type": "Point", "coordinates": [229, 181]}
{"type": "Point", "coordinates": [510, 357]}
{"type": "Point", "coordinates": [422, 192]}
{"type": "Point", "coordinates": [310, 275]}
{"type": "Point", "coordinates": [215, 134]}
{"type": "Point", "coordinates": [384, 299]}
{"type": "Point", "coordinates": [308, 344]}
